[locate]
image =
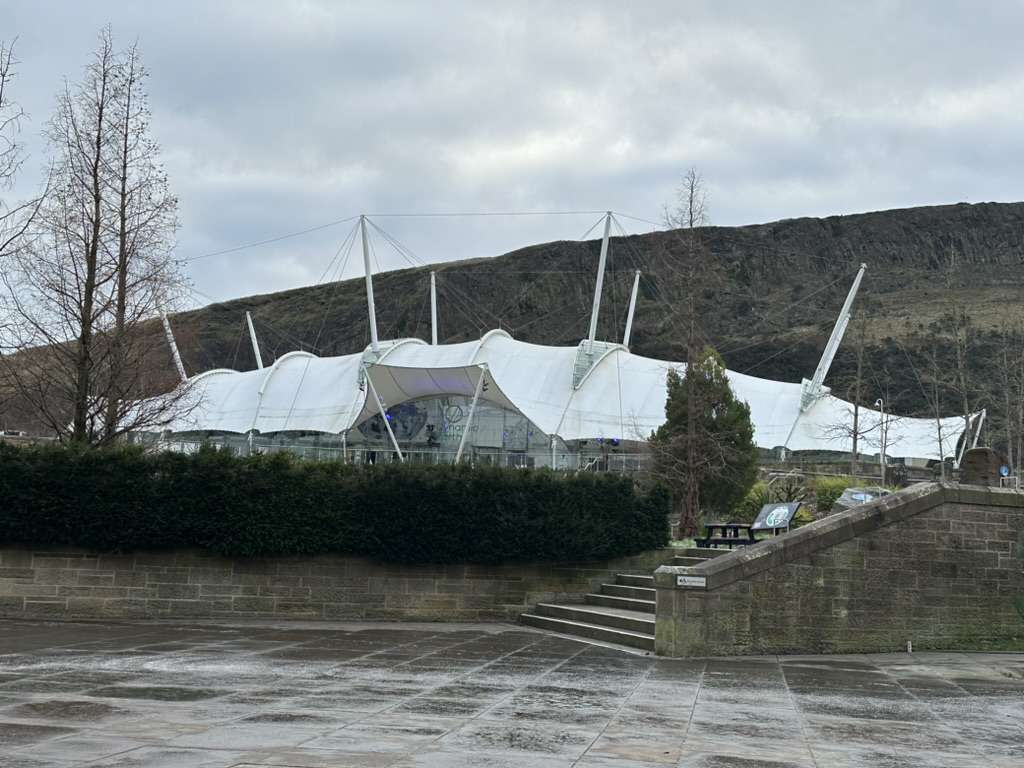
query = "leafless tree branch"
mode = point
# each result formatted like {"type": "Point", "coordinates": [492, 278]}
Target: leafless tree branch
{"type": "Point", "coordinates": [97, 266]}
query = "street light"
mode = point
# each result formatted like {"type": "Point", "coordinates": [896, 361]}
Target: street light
{"type": "Point", "coordinates": [880, 405]}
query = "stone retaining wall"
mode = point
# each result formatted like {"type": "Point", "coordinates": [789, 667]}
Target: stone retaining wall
{"type": "Point", "coordinates": [80, 584]}
{"type": "Point", "coordinates": [937, 565]}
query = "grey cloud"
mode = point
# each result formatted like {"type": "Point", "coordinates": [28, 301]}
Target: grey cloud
{"type": "Point", "coordinates": [279, 116]}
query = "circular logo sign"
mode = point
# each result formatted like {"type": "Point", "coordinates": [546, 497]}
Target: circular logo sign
{"type": "Point", "coordinates": [1004, 471]}
{"type": "Point", "coordinates": [777, 517]}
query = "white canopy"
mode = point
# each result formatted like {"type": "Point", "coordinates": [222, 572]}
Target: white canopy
{"type": "Point", "coordinates": [616, 395]}
{"type": "Point", "coordinates": [399, 384]}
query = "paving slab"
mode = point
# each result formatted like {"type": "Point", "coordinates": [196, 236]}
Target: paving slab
{"type": "Point", "coordinates": [376, 695]}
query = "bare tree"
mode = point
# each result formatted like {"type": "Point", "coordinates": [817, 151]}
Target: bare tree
{"type": "Point", "coordinates": [852, 429]}
{"type": "Point", "coordinates": [15, 218]}
{"type": "Point", "coordinates": [1006, 395]}
{"type": "Point", "coordinates": [1004, 391]}
{"type": "Point", "coordinates": [145, 218]}
{"type": "Point", "coordinates": [934, 382]}
{"type": "Point", "coordinates": [11, 115]}
{"type": "Point", "coordinates": [697, 453]}
{"type": "Point", "coordinates": [1017, 415]}
{"type": "Point", "coordinates": [855, 430]}
{"type": "Point", "coordinates": [960, 330]}
{"type": "Point", "coordinates": [690, 214]}
{"type": "Point", "coordinates": [884, 434]}
{"type": "Point", "coordinates": [690, 208]}
{"type": "Point", "coordinates": [99, 265]}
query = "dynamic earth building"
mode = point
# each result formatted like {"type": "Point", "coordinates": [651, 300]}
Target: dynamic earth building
{"type": "Point", "coordinates": [501, 400]}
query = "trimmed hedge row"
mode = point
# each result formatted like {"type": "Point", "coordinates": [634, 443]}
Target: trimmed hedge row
{"type": "Point", "coordinates": [123, 500]}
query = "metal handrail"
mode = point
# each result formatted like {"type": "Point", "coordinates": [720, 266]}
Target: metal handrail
{"type": "Point", "coordinates": [620, 463]}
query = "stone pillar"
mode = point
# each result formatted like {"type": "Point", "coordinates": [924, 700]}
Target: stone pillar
{"type": "Point", "coordinates": [679, 628]}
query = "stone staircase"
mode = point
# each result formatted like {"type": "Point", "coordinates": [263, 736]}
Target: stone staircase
{"type": "Point", "coordinates": [620, 613]}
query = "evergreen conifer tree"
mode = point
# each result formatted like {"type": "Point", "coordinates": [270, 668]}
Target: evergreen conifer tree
{"type": "Point", "coordinates": [711, 463]}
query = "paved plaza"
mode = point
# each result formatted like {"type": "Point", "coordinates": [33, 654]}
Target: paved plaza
{"type": "Point", "coordinates": [154, 695]}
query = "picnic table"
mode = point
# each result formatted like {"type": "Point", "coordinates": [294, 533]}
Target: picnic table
{"type": "Point", "coordinates": [726, 534]}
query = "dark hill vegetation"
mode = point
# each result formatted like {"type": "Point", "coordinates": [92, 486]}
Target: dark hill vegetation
{"type": "Point", "coordinates": [770, 296]}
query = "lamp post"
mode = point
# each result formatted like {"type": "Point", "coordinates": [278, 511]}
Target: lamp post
{"type": "Point", "coordinates": [880, 404]}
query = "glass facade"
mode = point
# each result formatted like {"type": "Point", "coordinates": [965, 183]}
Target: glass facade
{"type": "Point", "coordinates": [429, 431]}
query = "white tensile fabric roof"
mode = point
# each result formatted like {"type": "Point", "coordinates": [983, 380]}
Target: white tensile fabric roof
{"type": "Point", "coordinates": [400, 384]}
{"type": "Point", "coordinates": [622, 395]}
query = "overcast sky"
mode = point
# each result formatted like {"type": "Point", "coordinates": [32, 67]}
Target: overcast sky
{"type": "Point", "coordinates": [279, 116]}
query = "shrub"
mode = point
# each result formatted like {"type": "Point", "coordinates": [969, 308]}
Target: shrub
{"type": "Point", "coordinates": [124, 499]}
{"type": "Point", "coordinates": [786, 490]}
{"type": "Point", "coordinates": [803, 516]}
{"type": "Point", "coordinates": [828, 489]}
{"type": "Point", "coordinates": [758, 495]}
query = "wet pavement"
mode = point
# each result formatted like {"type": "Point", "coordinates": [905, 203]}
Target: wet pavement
{"type": "Point", "coordinates": [153, 695]}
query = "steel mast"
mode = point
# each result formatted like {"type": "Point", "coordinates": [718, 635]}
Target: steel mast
{"type": "Point", "coordinates": [433, 308]}
{"type": "Point", "coordinates": [255, 343]}
{"type": "Point", "coordinates": [369, 286]}
{"type": "Point", "coordinates": [812, 389]}
{"type": "Point", "coordinates": [632, 309]}
{"type": "Point", "coordinates": [600, 282]}
{"type": "Point", "coordinates": [174, 348]}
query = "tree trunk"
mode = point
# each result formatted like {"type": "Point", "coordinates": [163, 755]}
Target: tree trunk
{"type": "Point", "coordinates": [81, 429]}
{"type": "Point", "coordinates": [856, 434]}
{"type": "Point", "coordinates": [961, 373]}
{"type": "Point", "coordinates": [1020, 415]}
{"type": "Point", "coordinates": [691, 504]}
{"type": "Point", "coordinates": [856, 398]}
{"type": "Point", "coordinates": [115, 393]}
{"type": "Point", "coordinates": [1008, 402]}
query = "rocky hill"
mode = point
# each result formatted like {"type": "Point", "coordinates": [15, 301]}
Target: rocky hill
{"type": "Point", "coordinates": [767, 295]}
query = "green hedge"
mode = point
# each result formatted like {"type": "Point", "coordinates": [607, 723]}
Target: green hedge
{"type": "Point", "coordinates": [122, 500]}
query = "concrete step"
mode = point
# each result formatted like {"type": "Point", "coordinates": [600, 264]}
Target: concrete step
{"type": "Point", "coordinates": [703, 552]}
{"type": "Point", "coordinates": [592, 631]}
{"type": "Point", "coordinates": [633, 580]}
{"type": "Point", "coordinates": [689, 561]}
{"type": "Point", "coordinates": [610, 601]}
{"type": "Point", "coordinates": [616, 618]}
{"type": "Point", "coordinates": [621, 590]}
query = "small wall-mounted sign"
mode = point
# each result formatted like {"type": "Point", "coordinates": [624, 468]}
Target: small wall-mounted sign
{"type": "Point", "coordinates": [691, 581]}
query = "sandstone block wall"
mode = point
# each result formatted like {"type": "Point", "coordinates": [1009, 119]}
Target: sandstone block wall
{"type": "Point", "coordinates": [940, 566]}
{"type": "Point", "coordinates": [188, 584]}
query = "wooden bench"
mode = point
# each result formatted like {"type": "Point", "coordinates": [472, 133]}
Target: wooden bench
{"type": "Point", "coordinates": [726, 534]}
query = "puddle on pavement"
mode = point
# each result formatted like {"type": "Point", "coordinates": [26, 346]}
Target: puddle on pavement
{"type": "Point", "coordinates": [15, 734]}
{"type": "Point", "coordinates": [441, 707]}
{"type": "Point", "coordinates": [287, 717]}
{"type": "Point", "coordinates": [66, 710]}
{"type": "Point", "coordinates": [528, 739]}
{"type": "Point", "coordinates": [157, 693]}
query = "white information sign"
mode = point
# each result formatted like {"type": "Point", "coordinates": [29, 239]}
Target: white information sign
{"type": "Point", "coordinates": [691, 581]}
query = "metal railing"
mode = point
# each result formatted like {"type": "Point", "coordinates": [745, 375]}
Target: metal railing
{"type": "Point", "coordinates": [620, 463]}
